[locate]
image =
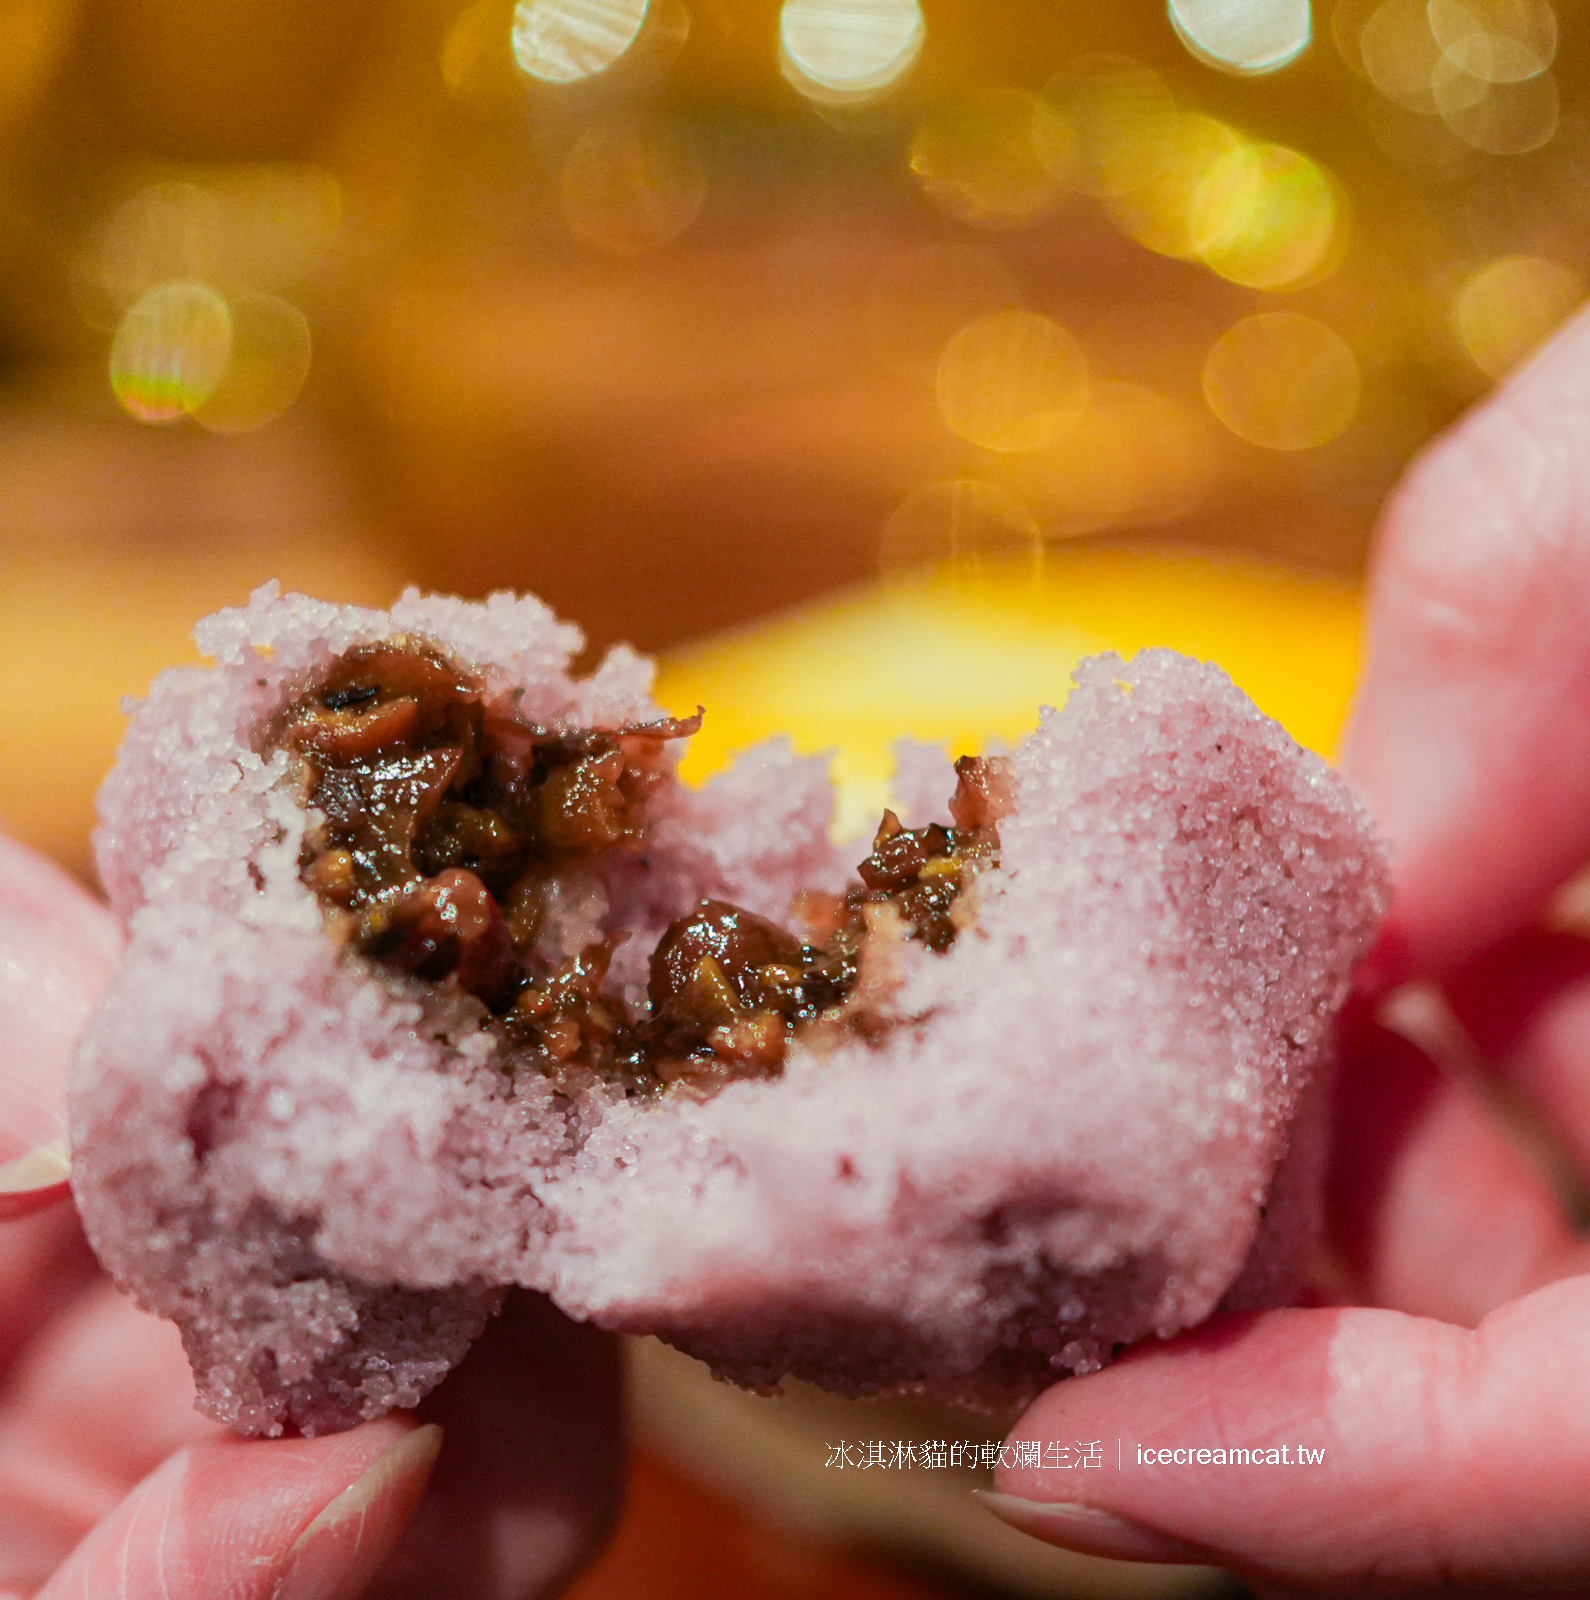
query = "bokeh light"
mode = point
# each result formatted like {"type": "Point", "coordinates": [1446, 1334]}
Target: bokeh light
{"type": "Point", "coordinates": [189, 269]}
{"type": "Point", "coordinates": [1158, 213]}
{"type": "Point", "coordinates": [626, 187]}
{"type": "Point", "coordinates": [1498, 41]}
{"type": "Point", "coordinates": [1508, 307]}
{"type": "Point", "coordinates": [252, 226]}
{"type": "Point", "coordinates": [963, 519]}
{"type": "Point", "coordinates": [1246, 36]}
{"type": "Point", "coordinates": [1504, 119]}
{"type": "Point", "coordinates": [170, 351]}
{"type": "Point", "coordinates": [848, 50]}
{"type": "Point", "coordinates": [1479, 65]}
{"type": "Point", "coordinates": [977, 160]}
{"type": "Point", "coordinates": [1423, 147]}
{"type": "Point", "coordinates": [563, 41]}
{"type": "Point", "coordinates": [1454, 90]}
{"type": "Point", "coordinates": [1121, 121]}
{"type": "Point", "coordinates": [267, 364]}
{"type": "Point", "coordinates": [1012, 380]}
{"type": "Point", "coordinates": [1399, 54]}
{"type": "Point", "coordinates": [1264, 216]}
{"type": "Point", "coordinates": [163, 233]}
{"type": "Point", "coordinates": [1282, 380]}
{"type": "Point", "coordinates": [684, 279]}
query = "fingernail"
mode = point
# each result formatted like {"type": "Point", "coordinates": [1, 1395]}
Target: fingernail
{"type": "Point", "coordinates": [1089, 1530]}
{"type": "Point", "coordinates": [46, 1166]}
{"type": "Point", "coordinates": [335, 1557]}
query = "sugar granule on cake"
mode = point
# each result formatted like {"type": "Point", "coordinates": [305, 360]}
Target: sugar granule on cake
{"type": "Point", "coordinates": [439, 982]}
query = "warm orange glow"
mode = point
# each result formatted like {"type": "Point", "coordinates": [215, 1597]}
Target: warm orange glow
{"type": "Point", "coordinates": [963, 520]}
{"type": "Point", "coordinates": [1122, 119]}
{"type": "Point", "coordinates": [1400, 54]}
{"type": "Point", "coordinates": [1159, 212]}
{"type": "Point", "coordinates": [1011, 381]}
{"type": "Point", "coordinates": [1505, 119]}
{"type": "Point", "coordinates": [918, 298]}
{"type": "Point", "coordinates": [1282, 380]}
{"type": "Point", "coordinates": [1135, 458]}
{"type": "Point", "coordinates": [475, 48]}
{"type": "Point", "coordinates": [1510, 306]}
{"type": "Point", "coordinates": [34, 34]}
{"type": "Point", "coordinates": [267, 366]}
{"type": "Point", "coordinates": [626, 187]}
{"type": "Point", "coordinates": [978, 162]}
{"type": "Point", "coordinates": [255, 226]}
{"type": "Point", "coordinates": [1158, 343]}
{"type": "Point", "coordinates": [1498, 41]}
{"type": "Point", "coordinates": [961, 657]}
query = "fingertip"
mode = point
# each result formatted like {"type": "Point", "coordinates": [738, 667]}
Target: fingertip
{"type": "Point", "coordinates": [1469, 734]}
{"type": "Point", "coordinates": [1344, 1450]}
{"type": "Point", "coordinates": [335, 1557]}
{"type": "Point", "coordinates": [279, 1519]}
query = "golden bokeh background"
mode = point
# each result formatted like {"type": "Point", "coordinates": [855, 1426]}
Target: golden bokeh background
{"type": "Point", "coordinates": [979, 335]}
{"type": "Point", "coordinates": [682, 312]}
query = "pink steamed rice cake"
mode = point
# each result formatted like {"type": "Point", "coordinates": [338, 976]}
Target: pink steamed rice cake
{"type": "Point", "coordinates": [983, 1167]}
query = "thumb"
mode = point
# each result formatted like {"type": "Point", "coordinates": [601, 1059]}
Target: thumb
{"type": "Point", "coordinates": [1342, 1449]}
{"type": "Point", "coordinates": [286, 1519]}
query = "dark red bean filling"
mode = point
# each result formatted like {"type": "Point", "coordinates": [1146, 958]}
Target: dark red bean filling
{"type": "Point", "coordinates": [447, 819]}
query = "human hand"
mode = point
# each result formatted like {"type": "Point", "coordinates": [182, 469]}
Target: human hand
{"type": "Point", "coordinates": [1452, 1405]}
{"type": "Point", "coordinates": [112, 1486]}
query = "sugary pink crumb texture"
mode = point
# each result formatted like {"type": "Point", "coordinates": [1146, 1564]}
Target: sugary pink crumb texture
{"type": "Point", "coordinates": [1073, 1139]}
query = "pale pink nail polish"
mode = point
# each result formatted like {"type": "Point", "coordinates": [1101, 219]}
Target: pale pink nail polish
{"type": "Point", "coordinates": [1090, 1530]}
{"type": "Point", "coordinates": [335, 1557]}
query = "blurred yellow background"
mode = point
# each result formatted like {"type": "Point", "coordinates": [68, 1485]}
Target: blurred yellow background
{"type": "Point", "coordinates": [872, 359]}
{"type": "Point", "coordinates": [961, 654]}
{"type": "Point", "coordinates": [683, 312]}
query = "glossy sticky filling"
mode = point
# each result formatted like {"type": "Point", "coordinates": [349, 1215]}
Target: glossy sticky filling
{"type": "Point", "coordinates": [442, 824]}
